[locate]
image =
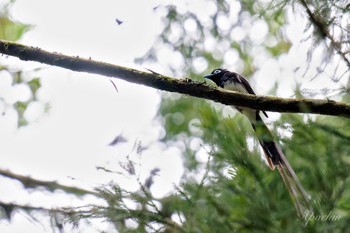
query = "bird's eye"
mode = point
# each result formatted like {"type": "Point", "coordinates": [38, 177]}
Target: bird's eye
{"type": "Point", "coordinates": [216, 71]}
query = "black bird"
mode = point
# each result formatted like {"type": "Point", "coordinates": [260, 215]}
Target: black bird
{"type": "Point", "coordinates": [119, 22]}
{"type": "Point", "coordinates": [274, 155]}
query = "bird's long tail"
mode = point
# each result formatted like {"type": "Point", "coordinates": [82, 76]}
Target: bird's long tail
{"type": "Point", "coordinates": [276, 158]}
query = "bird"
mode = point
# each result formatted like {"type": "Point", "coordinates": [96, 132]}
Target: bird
{"type": "Point", "coordinates": [119, 22]}
{"type": "Point", "coordinates": [274, 156]}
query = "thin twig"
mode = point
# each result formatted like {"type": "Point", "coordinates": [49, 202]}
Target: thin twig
{"type": "Point", "coordinates": [315, 20]}
{"type": "Point", "coordinates": [115, 86]}
{"type": "Point", "coordinates": [29, 182]}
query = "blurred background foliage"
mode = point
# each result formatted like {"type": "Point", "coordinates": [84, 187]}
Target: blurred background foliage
{"type": "Point", "coordinates": [9, 29]}
{"type": "Point", "coordinates": [232, 190]}
{"type": "Point", "coordinates": [226, 186]}
{"type": "Point", "coordinates": [19, 88]}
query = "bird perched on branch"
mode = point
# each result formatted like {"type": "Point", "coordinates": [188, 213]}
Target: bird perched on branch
{"type": "Point", "coordinates": [274, 155]}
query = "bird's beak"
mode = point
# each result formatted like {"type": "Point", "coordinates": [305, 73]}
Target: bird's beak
{"type": "Point", "coordinates": [209, 76]}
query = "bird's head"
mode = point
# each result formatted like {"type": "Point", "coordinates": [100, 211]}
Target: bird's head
{"type": "Point", "coordinates": [216, 75]}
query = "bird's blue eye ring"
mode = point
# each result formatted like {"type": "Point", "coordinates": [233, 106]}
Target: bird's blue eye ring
{"type": "Point", "coordinates": [216, 71]}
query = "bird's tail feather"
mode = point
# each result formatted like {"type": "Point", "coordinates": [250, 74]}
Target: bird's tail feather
{"type": "Point", "coordinates": [276, 158]}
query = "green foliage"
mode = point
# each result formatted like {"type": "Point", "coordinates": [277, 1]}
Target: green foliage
{"type": "Point", "coordinates": [239, 16]}
{"type": "Point", "coordinates": [255, 199]}
{"type": "Point", "coordinates": [327, 27]}
{"type": "Point", "coordinates": [19, 78]}
{"type": "Point", "coordinates": [237, 192]}
{"type": "Point", "coordinates": [13, 31]}
{"type": "Point", "coordinates": [175, 121]}
{"type": "Point", "coordinates": [10, 29]}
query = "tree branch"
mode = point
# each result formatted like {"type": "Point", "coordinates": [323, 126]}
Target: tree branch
{"type": "Point", "coordinates": [318, 23]}
{"type": "Point", "coordinates": [183, 86]}
{"type": "Point", "coordinates": [29, 182]}
{"type": "Point", "coordinates": [10, 207]}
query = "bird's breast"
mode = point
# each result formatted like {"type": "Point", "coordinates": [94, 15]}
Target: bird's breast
{"type": "Point", "coordinates": [249, 113]}
{"type": "Point", "coordinates": [233, 86]}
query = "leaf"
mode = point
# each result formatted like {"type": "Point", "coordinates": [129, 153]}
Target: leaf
{"type": "Point", "coordinates": [11, 30]}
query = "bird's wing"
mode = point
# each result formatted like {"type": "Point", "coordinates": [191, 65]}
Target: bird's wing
{"type": "Point", "coordinates": [247, 86]}
{"type": "Point", "coordinates": [245, 83]}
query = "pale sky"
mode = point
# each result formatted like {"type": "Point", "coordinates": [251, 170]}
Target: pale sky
{"type": "Point", "coordinates": [71, 139]}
